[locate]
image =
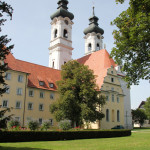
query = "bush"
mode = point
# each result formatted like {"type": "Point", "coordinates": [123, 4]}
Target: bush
{"type": "Point", "coordinates": [33, 125]}
{"type": "Point", "coordinates": [13, 124]}
{"type": "Point", "coordinates": [46, 125]}
{"type": "Point", "coordinates": [27, 136]}
{"type": "Point", "coordinates": [65, 125]}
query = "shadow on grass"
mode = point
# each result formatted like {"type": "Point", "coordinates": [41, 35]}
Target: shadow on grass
{"type": "Point", "coordinates": [20, 148]}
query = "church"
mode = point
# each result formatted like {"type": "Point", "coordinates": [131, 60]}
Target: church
{"type": "Point", "coordinates": [32, 88]}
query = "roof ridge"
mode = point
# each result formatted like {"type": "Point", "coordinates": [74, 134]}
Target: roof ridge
{"type": "Point", "coordinates": [36, 64]}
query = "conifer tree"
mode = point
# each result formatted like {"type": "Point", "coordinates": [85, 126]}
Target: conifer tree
{"type": "Point", "coordinates": [5, 9]}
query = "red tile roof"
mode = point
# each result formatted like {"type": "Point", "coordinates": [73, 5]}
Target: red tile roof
{"type": "Point", "coordinates": [99, 62]}
{"type": "Point", "coordinates": [36, 72]}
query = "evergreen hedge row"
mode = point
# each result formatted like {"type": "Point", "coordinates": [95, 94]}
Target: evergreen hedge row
{"type": "Point", "coordinates": [27, 136]}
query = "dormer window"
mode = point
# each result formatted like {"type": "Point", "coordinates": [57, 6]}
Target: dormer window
{"type": "Point", "coordinates": [65, 33]}
{"type": "Point", "coordinates": [98, 47]}
{"type": "Point", "coordinates": [51, 85]}
{"type": "Point", "coordinates": [41, 83]}
{"type": "Point", "coordinates": [55, 34]}
{"type": "Point", "coordinates": [89, 47]}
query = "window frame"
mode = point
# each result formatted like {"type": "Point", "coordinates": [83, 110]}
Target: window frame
{"type": "Point", "coordinates": [31, 108]}
{"type": "Point", "coordinates": [52, 95]}
{"type": "Point", "coordinates": [19, 105]}
{"type": "Point", "coordinates": [42, 94]}
{"type": "Point", "coordinates": [42, 107]}
{"type": "Point", "coordinates": [20, 78]}
{"type": "Point", "coordinates": [3, 103]}
{"type": "Point", "coordinates": [19, 91]}
{"type": "Point", "coordinates": [32, 93]}
{"type": "Point", "coordinates": [8, 76]}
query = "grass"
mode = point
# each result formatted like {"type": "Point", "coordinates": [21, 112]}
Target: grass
{"type": "Point", "coordinates": [140, 140]}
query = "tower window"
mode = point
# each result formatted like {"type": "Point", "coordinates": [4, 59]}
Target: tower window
{"type": "Point", "coordinates": [66, 22]}
{"type": "Point", "coordinates": [65, 33]}
{"type": "Point", "coordinates": [98, 47]}
{"type": "Point", "coordinates": [89, 47]}
{"type": "Point", "coordinates": [53, 64]}
{"type": "Point", "coordinates": [55, 33]}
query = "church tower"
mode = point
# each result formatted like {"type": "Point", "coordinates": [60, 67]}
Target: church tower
{"type": "Point", "coordinates": [60, 50]}
{"type": "Point", "coordinates": [93, 36]}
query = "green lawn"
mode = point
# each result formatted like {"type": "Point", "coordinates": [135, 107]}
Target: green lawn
{"type": "Point", "coordinates": [140, 140]}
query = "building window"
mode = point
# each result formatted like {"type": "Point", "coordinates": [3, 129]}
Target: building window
{"type": "Point", "coordinates": [51, 85]}
{"type": "Point", "coordinates": [118, 116]}
{"type": "Point", "coordinates": [112, 72]}
{"type": "Point", "coordinates": [64, 62]}
{"type": "Point", "coordinates": [19, 91]}
{"type": "Point", "coordinates": [89, 47]}
{"type": "Point", "coordinates": [8, 76]}
{"type": "Point", "coordinates": [20, 78]}
{"type": "Point", "coordinates": [113, 116]}
{"type": "Point", "coordinates": [41, 107]}
{"type": "Point", "coordinates": [31, 93]}
{"type": "Point", "coordinates": [55, 34]}
{"type": "Point", "coordinates": [51, 95]}
{"type": "Point", "coordinates": [17, 119]}
{"type": "Point", "coordinates": [112, 89]}
{"type": "Point", "coordinates": [113, 98]}
{"type": "Point", "coordinates": [65, 33]}
{"type": "Point", "coordinates": [107, 98]}
{"type": "Point", "coordinates": [51, 122]}
{"type": "Point", "coordinates": [40, 121]}
{"type": "Point", "coordinates": [5, 103]}
{"type": "Point", "coordinates": [118, 100]}
{"type": "Point", "coordinates": [112, 79]}
{"type": "Point", "coordinates": [107, 114]}
{"type": "Point", "coordinates": [7, 89]}
{"type": "Point", "coordinates": [41, 83]}
{"type": "Point", "coordinates": [98, 47]}
{"type": "Point", "coordinates": [30, 106]}
{"type": "Point", "coordinates": [18, 105]}
{"type": "Point", "coordinates": [41, 94]}
{"type": "Point", "coordinates": [53, 64]}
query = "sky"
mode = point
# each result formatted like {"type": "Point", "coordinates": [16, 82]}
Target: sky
{"type": "Point", "coordinates": [30, 29]}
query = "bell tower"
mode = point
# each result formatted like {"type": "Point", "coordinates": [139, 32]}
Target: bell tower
{"type": "Point", "coordinates": [60, 50]}
{"type": "Point", "coordinates": [93, 35]}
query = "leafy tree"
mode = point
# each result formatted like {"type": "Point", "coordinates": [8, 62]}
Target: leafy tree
{"type": "Point", "coordinates": [139, 115]}
{"type": "Point", "coordinates": [78, 95]}
{"type": "Point", "coordinates": [147, 107]}
{"type": "Point", "coordinates": [5, 9]}
{"type": "Point", "coordinates": [4, 119]}
{"type": "Point", "coordinates": [132, 40]}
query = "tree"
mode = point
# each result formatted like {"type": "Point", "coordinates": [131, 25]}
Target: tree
{"type": "Point", "coordinates": [147, 107]}
{"type": "Point", "coordinates": [4, 49]}
{"type": "Point", "coordinates": [4, 119]}
{"type": "Point", "coordinates": [78, 95]}
{"type": "Point", "coordinates": [132, 40]}
{"type": "Point", "coordinates": [139, 115]}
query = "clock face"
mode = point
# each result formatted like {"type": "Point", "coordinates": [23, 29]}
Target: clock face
{"type": "Point", "coordinates": [66, 22]}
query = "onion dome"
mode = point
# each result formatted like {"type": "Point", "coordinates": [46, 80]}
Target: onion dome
{"type": "Point", "coordinates": [93, 25]}
{"type": "Point", "coordinates": [62, 10]}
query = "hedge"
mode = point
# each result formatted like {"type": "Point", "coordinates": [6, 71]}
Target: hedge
{"type": "Point", "coordinates": [27, 136]}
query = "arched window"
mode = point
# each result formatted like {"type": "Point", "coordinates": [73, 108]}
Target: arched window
{"type": "Point", "coordinates": [118, 115]}
{"type": "Point", "coordinates": [107, 114]}
{"type": "Point", "coordinates": [55, 33]}
{"type": "Point", "coordinates": [113, 116]}
{"type": "Point", "coordinates": [65, 33]}
{"type": "Point", "coordinates": [97, 47]}
{"type": "Point", "coordinates": [113, 98]}
{"type": "Point", "coordinates": [89, 47]}
{"type": "Point", "coordinates": [53, 64]}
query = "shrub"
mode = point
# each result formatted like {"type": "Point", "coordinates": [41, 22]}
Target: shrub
{"type": "Point", "coordinates": [13, 124]}
{"type": "Point", "coordinates": [46, 125]}
{"type": "Point", "coordinates": [33, 125]}
{"type": "Point", "coordinates": [65, 125]}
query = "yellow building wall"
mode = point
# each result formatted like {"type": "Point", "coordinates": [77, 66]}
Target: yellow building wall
{"type": "Point", "coordinates": [110, 88]}
{"type": "Point", "coordinates": [12, 96]}
{"type": "Point", "coordinates": [24, 114]}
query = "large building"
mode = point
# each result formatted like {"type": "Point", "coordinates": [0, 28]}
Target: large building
{"type": "Point", "coordinates": [32, 88]}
